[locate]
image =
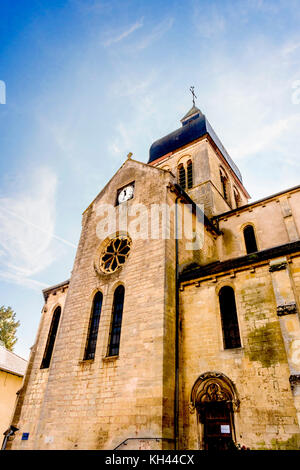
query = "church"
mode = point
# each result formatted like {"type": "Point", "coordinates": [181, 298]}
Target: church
{"type": "Point", "coordinates": [162, 339]}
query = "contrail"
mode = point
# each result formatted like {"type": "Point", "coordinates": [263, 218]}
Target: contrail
{"type": "Point", "coordinates": [37, 227]}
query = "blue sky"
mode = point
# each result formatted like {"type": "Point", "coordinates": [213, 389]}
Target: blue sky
{"type": "Point", "coordinates": [87, 81]}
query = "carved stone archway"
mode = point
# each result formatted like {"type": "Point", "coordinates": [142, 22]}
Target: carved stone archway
{"type": "Point", "coordinates": [213, 390]}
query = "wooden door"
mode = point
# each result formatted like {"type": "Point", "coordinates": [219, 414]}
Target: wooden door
{"type": "Point", "coordinates": [217, 426]}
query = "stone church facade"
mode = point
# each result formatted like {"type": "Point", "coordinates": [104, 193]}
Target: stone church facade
{"type": "Point", "coordinates": [156, 344]}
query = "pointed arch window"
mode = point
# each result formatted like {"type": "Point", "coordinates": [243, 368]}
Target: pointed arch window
{"type": "Point", "coordinates": [182, 176]}
{"type": "Point", "coordinates": [51, 339]}
{"type": "Point", "coordinates": [115, 335]}
{"type": "Point", "coordinates": [93, 327]}
{"type": "Point", "coordinates": [230, 326]}
{"type": "Point", "coordinates": [250, 240]}
{"type": "Point", "coordinates": [189, 174]}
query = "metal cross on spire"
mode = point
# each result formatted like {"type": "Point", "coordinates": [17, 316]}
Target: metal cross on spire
{"type": "Point", "coordinates": [193, 93]}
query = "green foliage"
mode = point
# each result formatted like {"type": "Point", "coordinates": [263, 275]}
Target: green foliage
{"type": "Point", "coordinates": [8, 327]}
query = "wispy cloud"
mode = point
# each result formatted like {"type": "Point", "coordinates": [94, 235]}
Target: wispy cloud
{"type": "Point", "coordinates": [157, 32]}
{"type": "Point", "coordinates": [291, 47]}
{"type": "Point", "coordinates": [130, 86]}
{"type": "Point", "coordinates": [139, 92]}
{"type": "Point", "coordinates": [257, 97]}
{"type": "Point", "coordinates": [36, 227]}
{"type": "Point", "coordinates": [209, 24]}
{"type": "Point", "coordinates": [27, 223]}
{"type": "Point", "coordinates": [267, 137]}
{"type": "Point", "coordinates": [114, 38]}
{"type": "Point", "coordinates": [20, 279]}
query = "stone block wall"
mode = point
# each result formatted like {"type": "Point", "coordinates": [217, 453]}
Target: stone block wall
{"type": "Point", "coordinates": [97, 404]}
{"type": "Point", "coordinates": [267, 416]}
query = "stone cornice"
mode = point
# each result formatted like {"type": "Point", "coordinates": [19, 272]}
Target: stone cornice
{"type": "Point", "coordinates": [54, 288]}
{"type": "Point", "coordinates": [253, 204]}
{"type": "Point", "coordinates": [212, 269]}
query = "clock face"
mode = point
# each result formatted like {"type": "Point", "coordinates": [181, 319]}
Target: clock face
{"type": "Point", "coordinates": [125, 194]}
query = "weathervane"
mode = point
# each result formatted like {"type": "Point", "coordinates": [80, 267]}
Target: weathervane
{"type": "Point", "coordinates": [193, 93]}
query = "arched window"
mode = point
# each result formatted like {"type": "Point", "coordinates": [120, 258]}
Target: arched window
{"type": "Point", "coordinates": [93, 327]}
{"type": "Point", "coordinates": [250, 240]}
{"type": "Point", "coordinates": [189, 174]}
{"type": "Point", "coordinates": [115, 335]}
{"type": "Point", "coordinates": [237, 197]}
{"type": "Point", "coordinates": [231, 334]}
{"type": "Point", "coordinates": [182, 176]}
{"type": "Point", "coordinates": [224, 184]}
{"type": "Point", "coordinates": [51, 339]}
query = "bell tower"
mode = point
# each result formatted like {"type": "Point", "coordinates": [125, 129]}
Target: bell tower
{"type": "Point", "coordinates": [201, 164]}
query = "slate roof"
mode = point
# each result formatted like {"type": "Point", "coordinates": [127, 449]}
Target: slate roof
{"type": "Point", "coordinates": [10, 362]}
{"type": "Point", "coordinates": [194, 126]}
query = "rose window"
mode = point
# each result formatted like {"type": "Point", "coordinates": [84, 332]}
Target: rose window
{"type": "Point", "coordinates": [115, 254]}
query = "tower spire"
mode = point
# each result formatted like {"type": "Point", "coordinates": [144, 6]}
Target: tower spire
{"type": "Point", "coordinates": [194, 111]}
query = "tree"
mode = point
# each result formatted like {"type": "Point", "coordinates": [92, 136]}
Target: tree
{"type": "Point", "coordinates": [8, 327]}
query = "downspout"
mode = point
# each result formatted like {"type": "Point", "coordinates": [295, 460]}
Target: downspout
{"type": "Point", "coordinates": [176, 393]}
{"type": "Point", "coordinates": [185, 197]}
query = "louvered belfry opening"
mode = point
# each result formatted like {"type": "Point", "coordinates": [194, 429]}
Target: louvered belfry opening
{"type": "Point", "coordinates": [189, 174]}
{"type": "Point", "coordinates": [182, 176]}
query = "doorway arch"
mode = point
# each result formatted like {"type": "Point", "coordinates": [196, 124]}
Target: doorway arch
{"type": "Point", "coordinates": [214, 398]}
